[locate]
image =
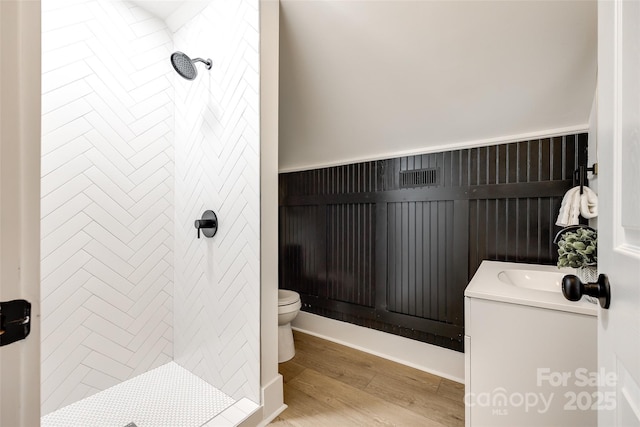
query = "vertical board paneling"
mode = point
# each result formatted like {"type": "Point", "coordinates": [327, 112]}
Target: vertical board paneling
{"type": "Point", "coordinates": [300, 243]}
{"type": "Point", "coordinates": [420, 258]}
{"type": "Point", "coordinates": [411, 269]}
{"type": "Point", "coordinates": [350, 253]}
{"type": "Point", "coordinates": [522, 230]}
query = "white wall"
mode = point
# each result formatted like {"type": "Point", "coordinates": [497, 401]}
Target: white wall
{"type": "Point", "coordinates": [217, 292]}
{"type": "Point", "coordinates": [371, 79]}
{"type": "Point", "coordinates": [107, 197]}
{"type": "Point", "coordinates": [272, 393]}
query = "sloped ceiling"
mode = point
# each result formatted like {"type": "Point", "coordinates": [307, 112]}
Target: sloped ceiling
{"type": "Point", "coordinates": [174, 13]}
{"type": "Point", "coordinates": [163, 9]}
{"type": "Point", "coordinates": [367, 79]}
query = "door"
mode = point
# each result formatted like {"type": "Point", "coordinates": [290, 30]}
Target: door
{"type": "Point", "coordinates": [20, 204]}
{"type": "Point", "coordinates": [619, 205]}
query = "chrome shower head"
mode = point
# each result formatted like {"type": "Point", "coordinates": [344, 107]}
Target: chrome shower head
{"type": "Point", "coordinates": [185, 65]}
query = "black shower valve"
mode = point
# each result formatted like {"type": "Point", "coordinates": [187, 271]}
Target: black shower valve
{"type": "Point", "coordinates": [208, 224]}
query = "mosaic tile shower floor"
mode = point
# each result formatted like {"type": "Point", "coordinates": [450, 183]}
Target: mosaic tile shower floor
{"type": "Point", "coordinates": [167, 396]}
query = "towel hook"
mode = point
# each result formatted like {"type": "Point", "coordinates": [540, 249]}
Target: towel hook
{"type": "Point", "coordinates": [582, 174]}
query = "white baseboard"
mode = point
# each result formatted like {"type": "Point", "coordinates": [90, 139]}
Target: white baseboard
{"type": "Point", "coordinates": [252, 419]}
{"type": "Point", "coordinates": [272, 400]}
{"type": "Point", "coordinates": [271, 417]}
{"type": "Point", "coordinates": [426, 357]}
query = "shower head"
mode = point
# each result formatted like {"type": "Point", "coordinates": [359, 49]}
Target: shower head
{"type": "Point", "coordinates": [185, 65]}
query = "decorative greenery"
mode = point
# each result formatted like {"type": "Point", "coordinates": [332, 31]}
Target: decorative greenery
{"type": "Point", "coordinates": [578, 248]}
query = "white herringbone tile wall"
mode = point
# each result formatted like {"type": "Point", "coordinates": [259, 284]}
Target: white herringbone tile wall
{"type": "Point", "coordinates": [107, 197]}
{"type": "Point", "coordinates": [217, 291]}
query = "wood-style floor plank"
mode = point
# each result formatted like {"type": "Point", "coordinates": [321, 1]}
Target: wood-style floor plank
{"type": "Point", "coordinates": [451, 389]}
{"type": "Point", "coordinates": [290, 369]}
{"type": "Point", "coordinates": [327, 384]}
{"type": "Point", "coordinates": [337, 362]}
{"type": "Point", "coordinates": [407, 395]}
{"type": "Point", "coordinates": [305, 410]}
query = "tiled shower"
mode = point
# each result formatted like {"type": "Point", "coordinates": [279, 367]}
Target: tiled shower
{"type": "Point", "coordinates": [132, 154]}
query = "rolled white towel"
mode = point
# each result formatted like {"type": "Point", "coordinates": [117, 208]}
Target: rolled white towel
{"type": "Point", "coordinates": [588, 203]}
{"type": "Point", "coordinates": [570, 208]}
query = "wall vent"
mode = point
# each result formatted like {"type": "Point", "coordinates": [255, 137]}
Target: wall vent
{"type": "Point", "coordinates": [419, 178]}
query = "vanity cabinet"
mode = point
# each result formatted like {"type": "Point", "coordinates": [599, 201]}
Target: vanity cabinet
{"type": "Point", "coordinates": [530, 355]}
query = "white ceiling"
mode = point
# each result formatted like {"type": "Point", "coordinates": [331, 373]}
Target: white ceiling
{"type": "Point", "coordinates": [175, 13]}
{"type": "Point", "coordinates": [368, 79]}
{"type": "Point", "coordinates": [163, 9]}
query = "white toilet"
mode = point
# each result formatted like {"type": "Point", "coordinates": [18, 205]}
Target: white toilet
{"type": "Point", "coordinates": [288, 308]}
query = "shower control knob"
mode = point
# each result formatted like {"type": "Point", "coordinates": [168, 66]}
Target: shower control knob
{"type": "Point", "coordinates": [573, 289]}
{"type": "Point", "coordinates": [208, 224]}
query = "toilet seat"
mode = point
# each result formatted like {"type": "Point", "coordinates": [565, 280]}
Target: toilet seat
{"type": "Point", "coordinates": [286, 297]}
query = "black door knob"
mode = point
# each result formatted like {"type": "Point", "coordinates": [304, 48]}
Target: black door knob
{"type": "Point", "coordinates": [573, 289]}
{"type": "Point", "coordinates": [208, 224]}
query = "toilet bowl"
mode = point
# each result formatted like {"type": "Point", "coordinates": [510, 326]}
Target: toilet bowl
{"type": "Point", "coordinates": [288, 308]}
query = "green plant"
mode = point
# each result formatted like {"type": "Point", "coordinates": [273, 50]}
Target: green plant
{"type": "Point", "coordinates": [578, 248]}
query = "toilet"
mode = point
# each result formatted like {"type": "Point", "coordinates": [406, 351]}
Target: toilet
{"type": "Point", "coordinates": [288, 308]}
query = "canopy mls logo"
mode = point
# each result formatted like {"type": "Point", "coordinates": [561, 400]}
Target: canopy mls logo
{"type": "Point", "coordinates": [578, 393]}
{"type": "Point", "coordinates": [500, 400]}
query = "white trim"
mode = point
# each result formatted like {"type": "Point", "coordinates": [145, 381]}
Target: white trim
{"type": "Point", "coordinates": [272, 400]}
{"type": "Point", "coordinates": [253, 419]}
{"type": "Point", "coordinates": [267, 421]}
{"type": "Point", "coordinates": [20, 126]}
{"type": "Point", "coordinates": [270, 380]}
{"type": "Point", "coordinates": [549, 133]}
{"type": "Point", "coordinates": [425, 357]}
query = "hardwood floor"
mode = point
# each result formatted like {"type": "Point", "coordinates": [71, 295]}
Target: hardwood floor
{"type": "Point", "coordinates": [327, 384]}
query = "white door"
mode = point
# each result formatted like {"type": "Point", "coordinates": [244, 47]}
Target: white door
{"type": "Point", "coordinates": [619, 208]}
{"type": "Point", "coordinates": [20, 204]}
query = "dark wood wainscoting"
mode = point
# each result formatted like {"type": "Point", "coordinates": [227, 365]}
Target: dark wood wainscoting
{"type": "Point", "coordinates": [392, 244]}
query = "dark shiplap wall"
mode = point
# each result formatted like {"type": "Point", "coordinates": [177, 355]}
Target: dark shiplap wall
{"type": "Point", "coordinates": [360, 248]}
{"type": "Point", "coordinates": [420, 250]}
{"type": "Point", "coordinates": [350, 255]}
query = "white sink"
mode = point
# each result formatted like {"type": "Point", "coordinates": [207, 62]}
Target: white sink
{"type": "Point", "coordinates": [525, 284]}
{"type": "Point", "coordinates": [548, 281]}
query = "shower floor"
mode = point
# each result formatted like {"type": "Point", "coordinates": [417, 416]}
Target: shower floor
{"type": "Point", "coordinates": [167, 396]}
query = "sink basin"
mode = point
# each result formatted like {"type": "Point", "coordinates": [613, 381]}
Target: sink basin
{"type": "Point", "coordinates": [548, 281]}
{"type": "Point", "coordinates": [532, 285]}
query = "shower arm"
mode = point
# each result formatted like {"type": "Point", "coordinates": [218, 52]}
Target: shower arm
{"type": "Point", "coordinates": [206, 62]}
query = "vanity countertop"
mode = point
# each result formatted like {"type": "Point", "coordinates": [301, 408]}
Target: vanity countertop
{"type": "Point", "coordinates": [487, 284]}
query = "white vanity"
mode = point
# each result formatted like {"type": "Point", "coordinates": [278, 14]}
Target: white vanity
{"type": "Point", "coordinates": [530, 354]}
